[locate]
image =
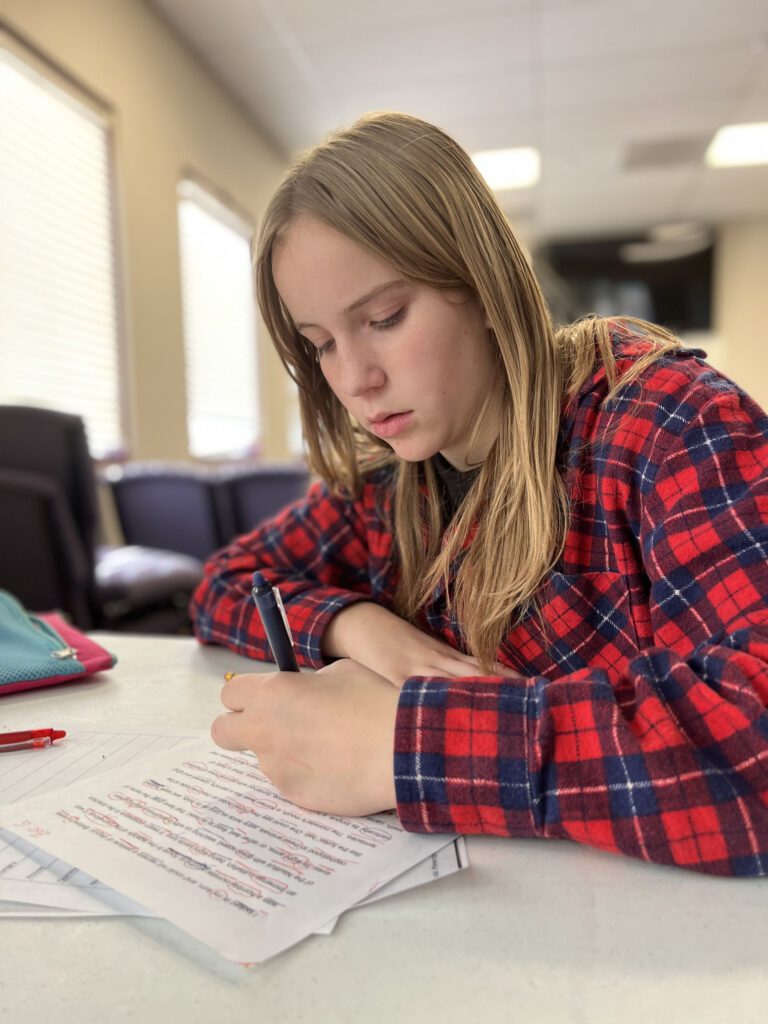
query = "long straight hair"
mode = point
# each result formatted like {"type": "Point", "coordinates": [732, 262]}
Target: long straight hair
{"type": "Point", "coordinates": [405, 191]}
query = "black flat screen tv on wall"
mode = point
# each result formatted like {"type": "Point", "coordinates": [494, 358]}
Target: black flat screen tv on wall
{"type": "Point", "coordinates": [594, 276]}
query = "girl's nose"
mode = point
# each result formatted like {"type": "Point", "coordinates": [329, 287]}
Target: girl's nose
{"type": "Point", "coordinates": [358, 372]}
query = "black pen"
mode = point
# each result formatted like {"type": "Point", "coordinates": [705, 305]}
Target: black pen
{"type": "Point", "coordinates": [270, 608]}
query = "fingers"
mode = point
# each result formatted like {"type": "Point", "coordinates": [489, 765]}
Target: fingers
{"type": "Point", "coordinates": [237, 729]}
{"type": "Point", "coordinates": [469, 666]}
{"type": "Point", "coordinates": [252, 700]}
{"type": "Point", "coordinates": [239, 690]}
{"type": "Point", "coordinates": [469, 658]}
{"type": "Point", "coordinates": [228, 731]}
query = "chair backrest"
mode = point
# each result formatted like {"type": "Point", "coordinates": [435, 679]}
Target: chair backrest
{"type": "Point", "coordinates": [172, 506]}
{"type": "Point", "coordinates": [258, 492]}
{"type": "Point", "coordinates": [53, 445]}
{"type": "Point", "coordinates": [42, 561]}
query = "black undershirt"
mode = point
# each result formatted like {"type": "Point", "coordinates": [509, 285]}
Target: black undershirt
{"type": "Point", "coordinates": [454, 484]}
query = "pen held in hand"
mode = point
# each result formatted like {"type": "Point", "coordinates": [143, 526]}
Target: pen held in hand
{"type": "Point", "coordinates": [272, 614]}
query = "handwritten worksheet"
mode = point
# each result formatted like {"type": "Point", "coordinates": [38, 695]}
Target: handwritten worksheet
{"type": "Point", "coordinates": [200, 836]}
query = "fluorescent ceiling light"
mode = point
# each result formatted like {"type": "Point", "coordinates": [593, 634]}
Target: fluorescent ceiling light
{"type": "Point", "coordinates": [670, 241]}
{"type": "Point", "coordinates": [509, 168]}
{"type": "Point", "coordinates": [739, 145]}
{"type": "Point", "coordinates": [679, 231]}
{"type": "Point", "coordinates": [658, 252]}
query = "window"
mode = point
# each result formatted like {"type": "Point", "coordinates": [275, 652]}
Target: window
{"type": "Point", "coordinates": [58, 303]}
{"type": "Point", "coordinates": [219, 326]}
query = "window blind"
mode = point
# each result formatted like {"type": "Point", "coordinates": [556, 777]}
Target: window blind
{"type": "Point", "coordinates": [58, 308]}
{"type": "Point", "coordinates": [296, 446]}
{"type": "Point", "coordinates": [219, 326]}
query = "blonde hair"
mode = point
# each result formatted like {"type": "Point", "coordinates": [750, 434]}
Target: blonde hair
{"type": "Point", "coordinates": [405, 191]}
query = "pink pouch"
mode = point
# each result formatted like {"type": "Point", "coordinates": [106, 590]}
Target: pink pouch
{"type": "Point", "coordinates": [43, 649]}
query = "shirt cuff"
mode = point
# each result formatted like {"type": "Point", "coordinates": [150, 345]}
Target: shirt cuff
{"type": "Point", "coordinates": [461, 757]}
{"type": "Point", "coordinates": [310, 617]}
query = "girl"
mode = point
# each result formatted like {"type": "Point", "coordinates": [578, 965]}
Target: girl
{"type": "Point", "coordinates": [533, 575]}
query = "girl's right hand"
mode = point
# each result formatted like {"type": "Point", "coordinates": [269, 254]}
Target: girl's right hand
{"type": "Point", "coordinates": [394, 648]}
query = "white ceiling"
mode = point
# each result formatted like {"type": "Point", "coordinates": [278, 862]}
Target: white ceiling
{"type": "Point", "coordinates": [583, 80]}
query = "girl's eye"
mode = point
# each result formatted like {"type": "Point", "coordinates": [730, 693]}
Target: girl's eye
{"type": "Point", "coordinates": [383, 325]}
{"type": "Point", "coordinates": [377, 325]}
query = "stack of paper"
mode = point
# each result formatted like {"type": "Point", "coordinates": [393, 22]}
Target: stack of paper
{"type": "Point", "coordinates": [175, 827]}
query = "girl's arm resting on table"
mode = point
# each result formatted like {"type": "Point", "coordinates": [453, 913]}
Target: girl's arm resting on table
{"type": "Point", "coordinates": [671, 765]}
{"type": "Point", "coordinates": [316, 551]}
{"type": "Point", "coordinates": [377, 638]}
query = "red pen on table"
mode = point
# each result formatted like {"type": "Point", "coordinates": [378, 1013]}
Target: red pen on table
{"type": "Point", "coordinates": [29, 739]}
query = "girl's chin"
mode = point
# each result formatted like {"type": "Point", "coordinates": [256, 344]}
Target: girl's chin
{"type": "Point", "coordinates": [412, 452]}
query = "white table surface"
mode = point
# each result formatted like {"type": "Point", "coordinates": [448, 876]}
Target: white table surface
{"type": "Point", "coordinates": [532, 931]}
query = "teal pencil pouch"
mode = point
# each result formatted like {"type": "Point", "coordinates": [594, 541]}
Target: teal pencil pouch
{"type": "Point", "coordinates": [43, 649]}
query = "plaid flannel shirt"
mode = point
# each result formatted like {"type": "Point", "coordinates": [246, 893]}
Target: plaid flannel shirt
{"type": "Point", "coordinates": [640, 726]}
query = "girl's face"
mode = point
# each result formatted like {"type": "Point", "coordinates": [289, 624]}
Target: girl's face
{"type": "Point", "coordinates": [411, 364]}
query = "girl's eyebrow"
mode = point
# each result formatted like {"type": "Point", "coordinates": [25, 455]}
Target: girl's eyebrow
{"type": "Point", "coordinates": [362, 301]}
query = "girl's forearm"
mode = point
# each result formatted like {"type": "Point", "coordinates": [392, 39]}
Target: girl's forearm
{"type": "Point", "coordinates": [347, 632]}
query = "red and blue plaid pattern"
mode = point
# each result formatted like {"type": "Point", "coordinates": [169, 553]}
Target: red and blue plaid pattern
{"type": "Point", "coordinates": [641, 725]}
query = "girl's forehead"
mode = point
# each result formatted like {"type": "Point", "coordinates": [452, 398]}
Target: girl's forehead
{"type": "Point", "coordinates": [313, 259]}
{"type": "Point", "coordinates": [305, 236]}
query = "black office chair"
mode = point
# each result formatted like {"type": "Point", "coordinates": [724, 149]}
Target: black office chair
{"type": "Point", "coordinates": [49, 555]}
{"type": "Point", "coordinates": [42, 560]}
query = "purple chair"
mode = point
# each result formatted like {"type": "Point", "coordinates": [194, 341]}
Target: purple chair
{"type": "Point", "coordinates": [172, 505]}
{"type": "Point", "coordinates": [195, 510]}
{"type": "Point", "coordinates": [258, 492]}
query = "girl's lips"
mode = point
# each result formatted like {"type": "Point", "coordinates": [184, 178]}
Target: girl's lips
{"type": "Point", "coordinates": [392, 425]}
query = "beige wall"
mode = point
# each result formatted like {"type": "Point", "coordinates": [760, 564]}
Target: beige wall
{"type": "Point", "coordinates": [741, 304]}
{"type": "Point", "coordinates": [170, 115]}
